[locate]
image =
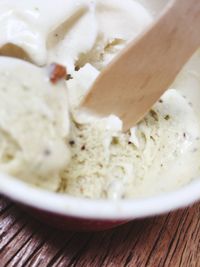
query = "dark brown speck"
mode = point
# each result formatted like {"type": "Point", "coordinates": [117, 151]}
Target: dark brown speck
{"type": "Point", "coordinates": [77, 68]}
{"type": "Point", "coordinates": [154, 114]}
{"type": "Point", "coordinates": [72, 143]}
{"type": "Point", "coordinates": [83, 147]}
{"type": "Point", "coordinates": [69, 77]}
{"type": "Point", "coordinates": [167, 117]}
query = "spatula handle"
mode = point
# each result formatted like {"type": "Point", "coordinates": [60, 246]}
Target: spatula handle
{"type": "Point", "coordinates": [137, 78]}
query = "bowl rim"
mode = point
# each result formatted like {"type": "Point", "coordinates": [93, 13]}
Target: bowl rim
{"type": "Point", "coordinates": [71, 206]}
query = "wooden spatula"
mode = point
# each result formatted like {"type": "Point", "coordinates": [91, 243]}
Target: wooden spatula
{"type": "Point", "coordinates": [136, 79]}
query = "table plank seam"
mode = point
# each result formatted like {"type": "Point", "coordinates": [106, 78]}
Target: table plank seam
{"type": "Point", "coordinates": [76, 257]}
{"type": "Point", "coordinates": [179, 235]}
{"type": "Point", "coordinates": [108, 249]}
{"type": "Point", "coordinates": [182, 254]}
{"type": "Point", "coordinates": [12, 238]}
{"type": "Point", "coordinates": [59, 253]}
{"type": "Point", "coordinates": [172, 240]}
{"type": "Point", "coordinates": [33, 254]}
{"type": "Point", "coordinates": [23, 245]}
{"type": "Point", "coordinates": [156, 241]}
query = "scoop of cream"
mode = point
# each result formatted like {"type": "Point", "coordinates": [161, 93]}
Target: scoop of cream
{"type": "Point", "coordinates": [28, 24]}
{"type": "Point", "coordinates": [69, 32]}
{"type": "Point", "coordinates": [34, 123]}
{"type": "Point", "coordinates": [160, 154]}
{"type": "Point", "coordinates": [118, 22]}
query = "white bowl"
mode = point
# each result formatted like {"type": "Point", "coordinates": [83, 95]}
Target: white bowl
{"type": "Point", "coordinates": [83, 214]}
{"type": "Point", "coordinates": [68, 212]}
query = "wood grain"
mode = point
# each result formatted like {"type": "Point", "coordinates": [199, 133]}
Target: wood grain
{"type": "Point", "coordinates": [169, 240]}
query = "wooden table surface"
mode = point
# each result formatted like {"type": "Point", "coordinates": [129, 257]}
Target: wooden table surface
{"type": "Point", "coordinates": [171, 240]}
